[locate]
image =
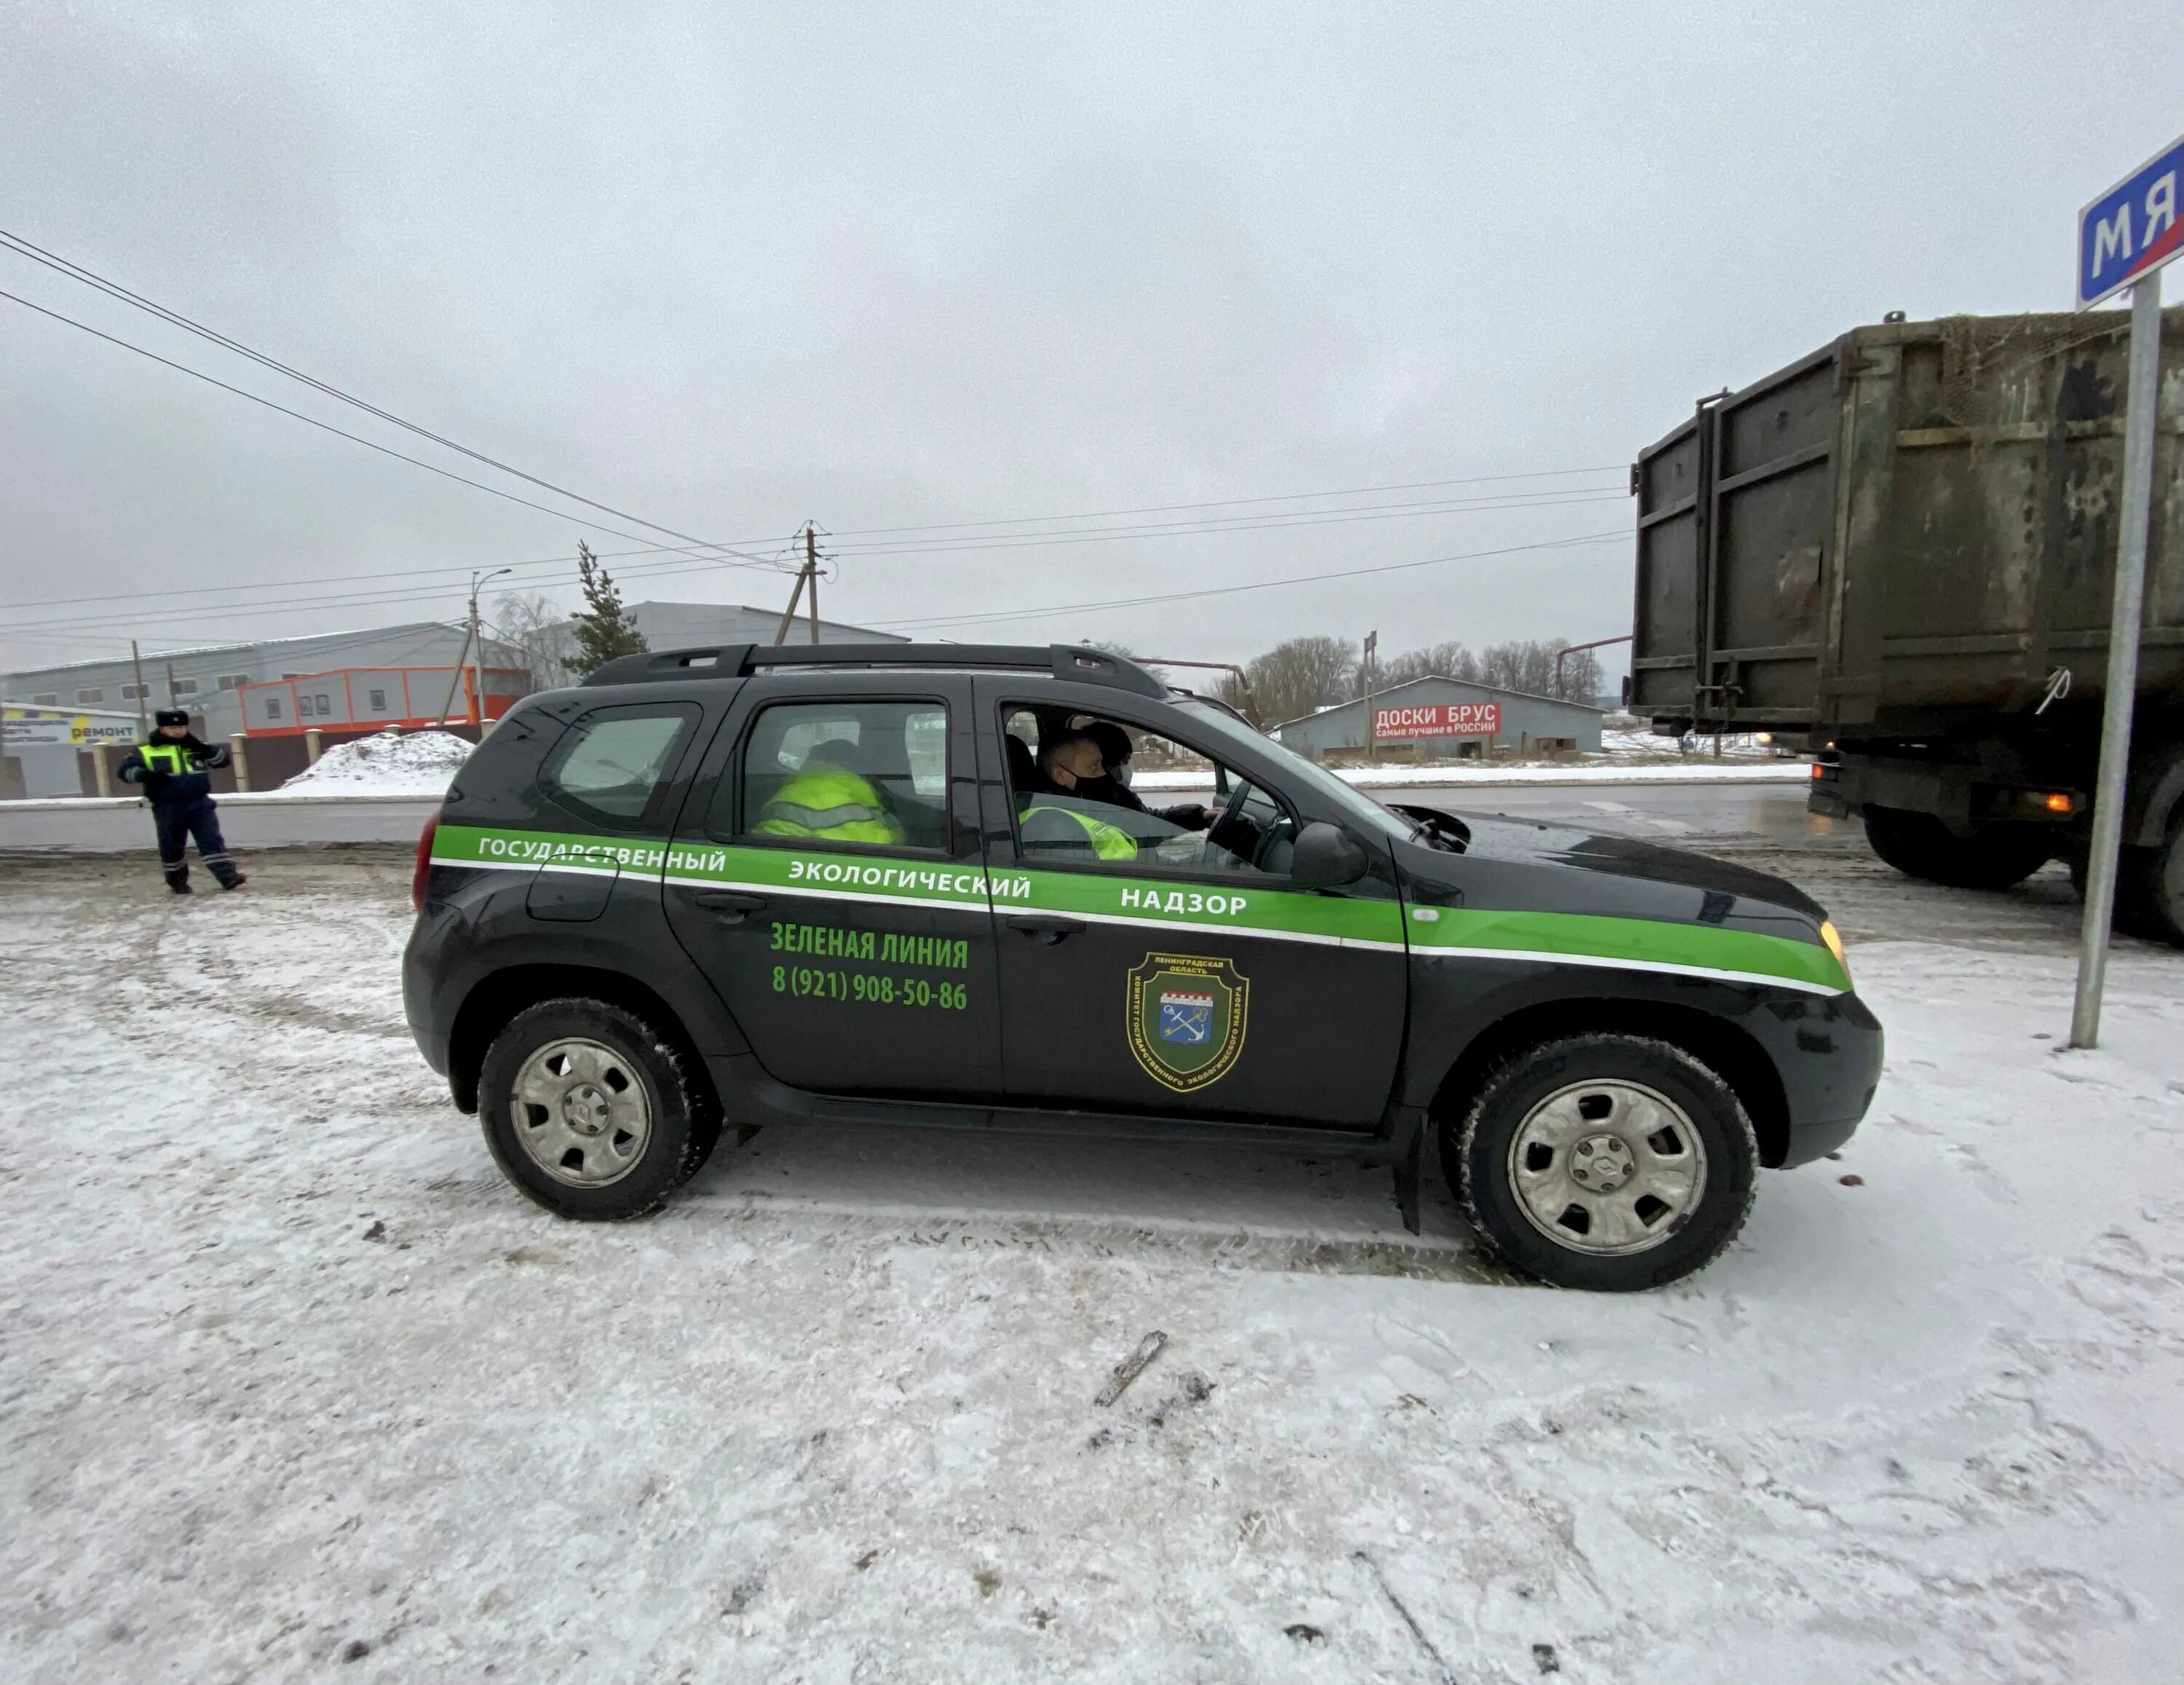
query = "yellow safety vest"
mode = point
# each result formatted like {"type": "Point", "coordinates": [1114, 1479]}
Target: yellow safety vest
{"type": "Point", "coordinates": [827, 801]}
{"type": "Point", "coordinates": [172, 758]}
{"type": "Point", "coordinates": [1108, 842]}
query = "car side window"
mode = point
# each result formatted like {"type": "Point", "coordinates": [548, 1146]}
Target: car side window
{"type": "Point", "coordinates": [612, 765]}
{"type": "Point", "coordinates": [853, 772]}
{"type": "Point", "coordinates": [1108, 795]}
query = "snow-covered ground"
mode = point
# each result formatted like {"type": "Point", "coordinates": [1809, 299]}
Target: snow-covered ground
{"type": "Point", "coordinates": [289, 1376]}
{"type": "Point", "coordinates": [388, 763]}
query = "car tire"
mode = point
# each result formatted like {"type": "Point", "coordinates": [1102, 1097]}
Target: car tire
{"type": "Point", "coordinates": [591, 1112]}
{"type": "Point", "coordinates": [1664, 1149]}
{"type": "Point", "coordinates": [1920, 846]}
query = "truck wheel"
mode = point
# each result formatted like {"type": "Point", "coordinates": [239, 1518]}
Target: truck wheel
{"type": "Point", "coordinates": [2150, 888]}
{"type": "Point", "coordinates": [591, 1111]}
{"type": "Point", "coordinates": [1920, 846]}
{"type": "Point", "coordinates": [1614, 1163]}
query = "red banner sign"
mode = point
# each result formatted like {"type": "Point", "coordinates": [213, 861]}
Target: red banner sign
{"type": "Point", "coordinates": [1438, 719]}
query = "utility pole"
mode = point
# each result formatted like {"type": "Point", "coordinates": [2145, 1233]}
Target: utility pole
{"type": "Point", "coordinates": [806, 575]}
{"type": "Point", "coordinates": [1371, 737]}
{"type": "Point", "coordinates": [137, 661]}
{"type": "Point", "coordinates": [474, 643]}
{"type": "Point", "coordinates": [454, 678]}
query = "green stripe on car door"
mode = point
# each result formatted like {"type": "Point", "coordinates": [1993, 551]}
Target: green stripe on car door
{"type": "Point", "coordinates": [1631, 944]}
{"type": "Point", "coordinates": [1444, 933]}
{"type": "Point", "coordinates": [1243, 907]}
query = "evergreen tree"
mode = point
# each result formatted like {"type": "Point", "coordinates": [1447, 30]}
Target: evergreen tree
{"type": "Point", "coordinates": [602, 626]}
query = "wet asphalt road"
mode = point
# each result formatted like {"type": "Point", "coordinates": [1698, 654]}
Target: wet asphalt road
{"type": "Point", "coordinates": [1674, 814]}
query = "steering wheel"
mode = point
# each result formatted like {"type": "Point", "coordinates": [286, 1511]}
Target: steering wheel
{"type": "Point", "coordinates": [1233, 839]}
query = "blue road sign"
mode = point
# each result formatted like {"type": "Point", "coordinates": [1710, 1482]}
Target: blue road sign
{"type": "Point", "coordinates": [2131, 230]}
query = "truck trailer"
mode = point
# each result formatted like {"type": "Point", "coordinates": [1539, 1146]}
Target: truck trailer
{"type": "Point", "coordinates": [1901, 549]}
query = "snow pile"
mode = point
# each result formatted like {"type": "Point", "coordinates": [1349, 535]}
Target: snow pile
{"type": "Point", "coordinates": [293, 1376]}
{"type": "Point", "coordinates": [388, 763]}
{"type": "Point", "coordinates": [1641, 742]}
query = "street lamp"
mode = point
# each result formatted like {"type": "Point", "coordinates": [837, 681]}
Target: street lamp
{"type": "Point", "coordinates": [477, 645]}
{"type": "Point", "coordinates": [472, 644]}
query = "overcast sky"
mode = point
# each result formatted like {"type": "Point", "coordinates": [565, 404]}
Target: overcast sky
{"type": "Point", "coordinates": [730, 267]}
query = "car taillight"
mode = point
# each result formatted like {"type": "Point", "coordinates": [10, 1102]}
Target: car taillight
{"type": "Point", "coordinates": [424, 863]}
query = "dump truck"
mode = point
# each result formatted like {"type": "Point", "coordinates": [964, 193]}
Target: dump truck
{"type": "Point", "coordinates": [1900, 551]}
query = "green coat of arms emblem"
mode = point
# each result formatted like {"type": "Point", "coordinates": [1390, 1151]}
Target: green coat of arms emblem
{"type": "Point", "coordinates": [1186, 1015]}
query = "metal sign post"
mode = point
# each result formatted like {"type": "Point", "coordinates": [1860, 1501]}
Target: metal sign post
{"type": "Point", "coordinates": [2125, 237]}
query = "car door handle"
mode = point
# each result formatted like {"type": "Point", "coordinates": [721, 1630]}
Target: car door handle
{"type": "Point", "coordinates": [1047, 930]}
{"type": "Point", "coordinates": [734, 903]}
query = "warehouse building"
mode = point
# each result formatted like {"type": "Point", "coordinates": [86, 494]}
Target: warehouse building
{"type": "Point", "coordinates": [206, 681]}
{"type": "Point", "coordinates": [1437, 718]}
{"type": "Point", "coordinates": [683, 626]}
{"type": "Point", "coordinates": [337, 684]}
{"type": "Point", "coordinates": [289, 695]}
{"type": "Point", "coordinates": [688, 626]}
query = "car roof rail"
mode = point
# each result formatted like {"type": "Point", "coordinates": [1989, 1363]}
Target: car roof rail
{"type": "Point", "coordinates": [1078, 661]}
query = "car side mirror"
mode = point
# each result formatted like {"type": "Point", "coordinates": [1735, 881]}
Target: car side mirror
{"type": "Point", "coordinates": [1324, 857]}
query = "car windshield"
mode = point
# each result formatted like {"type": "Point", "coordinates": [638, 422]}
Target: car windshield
{"type": "Point", "coordinates": [1362, 809]}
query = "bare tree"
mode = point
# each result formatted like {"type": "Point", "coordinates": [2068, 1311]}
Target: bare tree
{"type": "Point", "coordinates": [1581, 677]}
{"type": "Point", "coordinates": [1529, 666]}
{"type": "Point", "coordinates": [1108, 646]}
{"type": "Point", "coordinates": [1292, 679]}
{"type": "Point", "coordinates": [539, 627]}
{"type": "Point", "coordinates": [1443, 660]}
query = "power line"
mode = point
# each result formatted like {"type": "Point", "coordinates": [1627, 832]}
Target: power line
{"type": "Point", "coordinates": [1260, 523]}
{"type": "Point", "coordinates": [643, 570]}
{"type": "Point", "coordinates": [77, 271]}
{"type": "Point", "coordinates": [357, 438]}
{"type": "Point", "coordinates": [1252, 585]}
{"type": "Point", "coordinates": [1232, 502]}
{"type": "Point", "coordinates": [1255, 523]}
{"type": "Point", "coordinates": [672, 562]}
{"type": "Point", "coordinates": [154, 597]}
{"type": "Point", "coordinates": [1002, 615]}
{"type": "Point", "coordinates": [1302, 516]}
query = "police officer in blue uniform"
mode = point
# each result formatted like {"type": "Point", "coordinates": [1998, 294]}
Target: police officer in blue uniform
{"type": "Point", "coordinates": [171, 765]}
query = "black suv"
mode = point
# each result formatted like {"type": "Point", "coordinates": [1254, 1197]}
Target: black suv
{"type": "Point", "coordinates": [758, 886]}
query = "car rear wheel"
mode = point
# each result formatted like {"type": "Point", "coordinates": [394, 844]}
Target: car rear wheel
{"type": "Point", "coordinates": [591, 1112]}
{"type": "Point", "coordinates": [1613, 1162]}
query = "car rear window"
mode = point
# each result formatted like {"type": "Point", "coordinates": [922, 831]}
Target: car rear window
{"type": "Point", "coordinates": [612, 765]}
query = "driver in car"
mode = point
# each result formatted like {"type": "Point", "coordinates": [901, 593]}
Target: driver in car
{"type": "Point", "coordinates": [1052, 816]}
{"type": "Point", "coordinates": [1111, 785]}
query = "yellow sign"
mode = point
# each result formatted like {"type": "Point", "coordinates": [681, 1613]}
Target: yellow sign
{"type": "Point", "coordinates": [33, 727]}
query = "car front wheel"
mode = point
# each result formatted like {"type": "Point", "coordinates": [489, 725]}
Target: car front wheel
{"type": "Point", "coordinates": [591, 1112]}
{"type": "Point", "coordinates": [1613, 1162]}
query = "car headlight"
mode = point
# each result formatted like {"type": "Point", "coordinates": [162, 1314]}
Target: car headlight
{"type": "Point", "coordinates": [1833, 938]}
